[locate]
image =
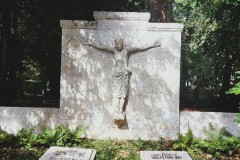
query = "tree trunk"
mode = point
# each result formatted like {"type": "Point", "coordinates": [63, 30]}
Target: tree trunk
{"type": "Point", "coordinates": [228, 72]}
{"type": "Point", "coordinates": [160, 10]}
{"type": "Point", "coordinates": [13, 58]}
{"type": "Point", "coordinates": [5, 47]}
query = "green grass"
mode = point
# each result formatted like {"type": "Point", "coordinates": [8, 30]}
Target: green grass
{"type": "Point", "coordinates": [106, 149]}
{"type": "Point", "coordinates": [110, 150]}
{"type": "Point", "coordinates": [27, 145]}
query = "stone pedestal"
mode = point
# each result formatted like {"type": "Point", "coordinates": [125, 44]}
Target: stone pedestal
{"type": "Point", "coordinates": [152, 104]}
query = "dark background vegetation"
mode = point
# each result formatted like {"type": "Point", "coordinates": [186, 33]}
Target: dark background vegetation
{"type": "Point", "coordinates": [30, 47]}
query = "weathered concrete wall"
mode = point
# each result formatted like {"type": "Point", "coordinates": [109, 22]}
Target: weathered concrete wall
{"type": "Point", "coordinates": [86, 76]}
{"type": "Point", "coordinates": [12, 119]}
{"type": "Point", "coordinates": [199, 120]}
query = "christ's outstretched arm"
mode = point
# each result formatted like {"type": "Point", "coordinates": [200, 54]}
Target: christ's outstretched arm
{"type": "Point", "coordinates": [143, 48]}
{"type": "Point", "coordinates": [98, 46]}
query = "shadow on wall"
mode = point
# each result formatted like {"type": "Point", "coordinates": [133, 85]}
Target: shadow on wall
{"type": "Point", "coordinates": [86, 84]}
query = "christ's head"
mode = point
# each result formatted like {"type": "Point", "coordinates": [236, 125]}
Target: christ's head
{"type": "Point", "coordinates": [119, 44]}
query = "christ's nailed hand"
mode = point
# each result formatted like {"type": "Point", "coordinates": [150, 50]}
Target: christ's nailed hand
{"type": "Point", "coordinates": [157, 43]}
{"type": "Point", "coordinates": [86, 42]}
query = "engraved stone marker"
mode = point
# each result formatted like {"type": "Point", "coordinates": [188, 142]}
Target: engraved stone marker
{"type": "Point", "coordinates": [66, 153]}
{"type": "Point", "coordinates": [166, 155]}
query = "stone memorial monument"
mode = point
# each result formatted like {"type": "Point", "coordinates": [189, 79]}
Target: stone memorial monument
{"type": "Point", "coordinates": [65, 153]}
{"type": "Point", "coordinates": [120, 76]}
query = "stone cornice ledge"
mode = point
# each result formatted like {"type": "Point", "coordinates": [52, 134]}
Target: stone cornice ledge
{"type": "Point", "coordinates": [78, 24]}
{"type": "Point", "coordinates": [138, 16]}
{"type": "Point", "coordinates": [167, 27]}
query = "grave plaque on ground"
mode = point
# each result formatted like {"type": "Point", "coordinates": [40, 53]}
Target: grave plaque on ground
{"type": "Point", "coordinates": [166, 155]}
{"type": "Point", "coordinates": [66, 153]}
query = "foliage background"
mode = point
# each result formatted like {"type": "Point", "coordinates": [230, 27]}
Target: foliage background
{"type": "Point", "coordinates": [210, 52]}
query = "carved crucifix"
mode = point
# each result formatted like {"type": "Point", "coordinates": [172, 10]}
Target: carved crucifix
{"type": "Point", "coordinates": [120, 74]}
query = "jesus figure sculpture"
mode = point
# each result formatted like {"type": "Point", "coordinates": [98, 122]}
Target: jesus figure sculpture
{"type": "Point", "coordinates": [121, 74]}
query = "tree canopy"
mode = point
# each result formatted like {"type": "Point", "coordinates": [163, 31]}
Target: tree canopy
{"type": "Point", "coordinates": [210, 52]}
